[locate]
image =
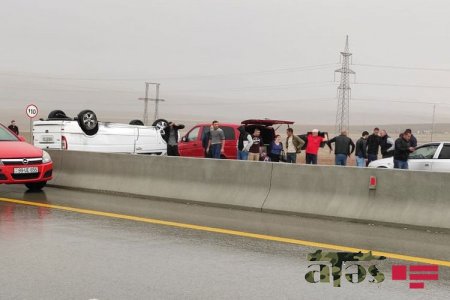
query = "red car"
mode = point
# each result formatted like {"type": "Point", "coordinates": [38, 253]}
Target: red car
{"type": "Point", "coordinates": [194, 142]}
{"type": "Point", "coordinates": [22, 163]}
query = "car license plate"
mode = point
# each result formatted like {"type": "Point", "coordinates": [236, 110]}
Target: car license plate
{"type": "Point", "coordinates": [47, 139]}
{"type": "Point", "coordinates": [29, 170]}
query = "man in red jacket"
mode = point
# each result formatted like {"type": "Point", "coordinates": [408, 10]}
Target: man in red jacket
{"type": "Point", "coordinates": [313, 145]}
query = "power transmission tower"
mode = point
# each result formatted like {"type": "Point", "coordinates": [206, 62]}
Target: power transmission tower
{"type": "Point", "coordinates": [146, 99]}
{"type": "Point", "coordinates": [344, 92]}
{"type": "Point", "coordinates": [157, 100]}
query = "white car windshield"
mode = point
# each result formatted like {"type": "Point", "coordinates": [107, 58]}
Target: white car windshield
{"type": "Point", "coordinates": [6, 135]}
{"type": "Point", "coordinates": [424, 152]}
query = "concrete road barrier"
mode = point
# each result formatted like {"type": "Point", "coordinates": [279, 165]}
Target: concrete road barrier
{"type": "Point", "coordinates": [217, 182]}
{"type": "Point", "coordinates": [419, 199]}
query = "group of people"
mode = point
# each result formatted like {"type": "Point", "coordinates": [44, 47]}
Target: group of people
{"type": "Point", "coordinates": [249, 146]}
{"type": "Point", "coordinates": [366, 149]}
{"type": "Point", "coordinates": [368, 146]}
{"type": "Point", "coordinates": [252, 146]}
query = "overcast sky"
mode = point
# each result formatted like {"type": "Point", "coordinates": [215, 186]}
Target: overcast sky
{"type": "Point", "coordinates": [227, 60]}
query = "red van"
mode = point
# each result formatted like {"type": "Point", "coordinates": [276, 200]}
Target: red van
{"type": "Point", "coordinates": [193, 143]}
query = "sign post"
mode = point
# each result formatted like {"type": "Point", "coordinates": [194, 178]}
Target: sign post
{"type": "Point", "coordinates": [32, 111]}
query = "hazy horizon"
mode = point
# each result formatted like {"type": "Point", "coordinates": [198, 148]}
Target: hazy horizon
{"type": "Point", "coordinates": [228, 60]}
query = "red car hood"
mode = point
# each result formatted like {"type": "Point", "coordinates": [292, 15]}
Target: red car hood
{"type": "Point", "coordinates": [18, 149]}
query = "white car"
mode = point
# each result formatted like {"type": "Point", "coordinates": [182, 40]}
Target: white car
{"type": "Point", "coordinates": [428, 157]}
{"type": "Point", "coordinates": [85, 133]}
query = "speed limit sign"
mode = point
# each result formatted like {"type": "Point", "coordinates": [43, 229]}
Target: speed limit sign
{"type": "Point", "coordinates": [32, 111]}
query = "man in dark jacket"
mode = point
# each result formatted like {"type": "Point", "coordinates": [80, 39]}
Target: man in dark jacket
{"type": "Point", "coordinates": [387, 144]}
{"type": "Point", "coordinates": [402, 151]}
{"type": "Point", "coordinates": [205, 140]}
{"type": "Point", "coordinates": [413, 140]}
{"type": "Point", "coordinates": [171, 138]}
{"type": "Point", "coordinates": [361, 150]}
{"type": "Point", "coordinates": [13, 127]}
{"type": "Point", "coordinates": [342, 149]}
{"type": "Point", "coordinates": [373, 143]}
{"type": "Point", "coordinates": [245, 141]}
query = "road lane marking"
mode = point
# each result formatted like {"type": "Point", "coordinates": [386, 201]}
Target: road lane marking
{"type": "Point", "coordinates": [230, 232]}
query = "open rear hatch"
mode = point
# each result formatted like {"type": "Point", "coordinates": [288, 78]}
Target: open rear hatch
{"type": "Point", "coordinates": [266, 122]}
{"type": "Point", "coordinates": [266, 126]}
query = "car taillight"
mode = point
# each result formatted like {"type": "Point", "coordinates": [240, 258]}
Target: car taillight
{"type": "Point", "coordinates": [64, 144]}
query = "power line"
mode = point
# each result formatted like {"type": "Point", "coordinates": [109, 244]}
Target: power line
{"type": "Point", "coordinates": [404, 67]}
{"type": "Point", "coordinates": [72, 89]}
{"type": "Point", "coordinates": [401, 101]}
{"type": "Point", "coordinates": [269, 71]}
{"type": "Point", "coordinates": [264, 87]}
{"type": "Point", "coordinates": [248, 102]}
{"type": "Point", "coordinates": [79, 89]}
{"type": "Point", "coordinates": [404, 85]}
{"type": "Point", "coordinates": [307, 100]}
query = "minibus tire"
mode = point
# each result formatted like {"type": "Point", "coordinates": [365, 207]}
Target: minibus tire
{"type": "Point", "coordinates": [87, 120]}
{"type": "Point", "coordinates": [136, 122]}
{"type": "Point", "coordinates": [57, 115]}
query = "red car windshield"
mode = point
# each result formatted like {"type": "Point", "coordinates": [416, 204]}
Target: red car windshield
{"type": "Point", "coordinates": [6, 135]}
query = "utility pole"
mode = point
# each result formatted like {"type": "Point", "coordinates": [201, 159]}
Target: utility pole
{"type": "Point", "coordinates": [433, 121]}
{"type": "Point", "coordinates": [157, 102]}
{"type": "Point", "coordinates": [344, 92]}
{"type": "Point", "coordinates": [146, 99]}
{"type": "Point", "coordinates": [145, 118]}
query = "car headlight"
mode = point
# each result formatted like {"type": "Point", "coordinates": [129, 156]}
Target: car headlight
{"type": "Point", "coordinates": [46, 157]}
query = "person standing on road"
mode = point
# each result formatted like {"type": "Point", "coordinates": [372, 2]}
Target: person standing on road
{"type": "Point", "coordinates": [245, 141]}
{"type": "Point", "coordinates": [413, 140]}
{"type": "Point", "coordinates": [171, 138]}
{"type": "Point", "coordinates": [402, 151]}
{"type": "Point", "coordinates": [294, 145]}
{"type": "Point", "coordinates": [276, 149]}
{"type": "Point", "coordinates": [313, 145]}
{"type": "Point", "coordinates": [387, 144]}
{"type": "Point", "coordinates": [205, 140]}
{"type": "Point", "coordinates": [373, 143]}
{"type": "Point", "coordinates": [343, 148]}
{"type": "Point", "coordinates": [255, 148]}
{"type": "Point", "coordinates": [13, 127]}
{"type": "Point", "coordinates": [216, 141]}
{"type": "Point", "coordinates": [361, 150]}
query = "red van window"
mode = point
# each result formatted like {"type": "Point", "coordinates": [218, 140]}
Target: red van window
{"type": "Point", "coordinates": [193, 134]}
{"type": "Point", "coordinates": [228, 132]}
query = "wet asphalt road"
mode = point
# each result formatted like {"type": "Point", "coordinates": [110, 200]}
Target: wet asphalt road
{"type": "Point", "coordinates": [54, 254]}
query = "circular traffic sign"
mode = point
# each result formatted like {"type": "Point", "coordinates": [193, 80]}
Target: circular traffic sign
{"type": "Point", "coordinates": [32, 111]}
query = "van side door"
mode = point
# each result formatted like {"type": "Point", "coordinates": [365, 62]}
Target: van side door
{"type": "Point", "coordinates": [191, 143]}
{"type": "Point", "coordinates": [231, 137]}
